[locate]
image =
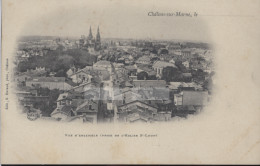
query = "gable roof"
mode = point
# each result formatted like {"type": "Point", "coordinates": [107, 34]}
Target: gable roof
{"type": "Point", "coordinates": [144, 58]}
{"type": "Point", "coordinates": [47, 79]}
{"type": "Point", "coordinates": [162, 64]}
{"type": "Point", "coordinates": [80, 71]}
{"type": "Point", "coordinates": [103, 63]}
{"type": "Point", "coordinates": [69, 96]}
{"type": "Point", "coordinates": [64, 110]}
{"type": "Point", "coordinates": [187, 74]}
{"type": "Point", "coordinates": [149, 83]}
{"type": "Point", "coordinates": [85, 104]}
{"type": "Point", "coordinates": [135, 102]}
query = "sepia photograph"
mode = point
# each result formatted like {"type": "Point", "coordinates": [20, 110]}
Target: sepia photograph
{"type": "Point", "coordinates": [94, 79]}
{"type": "Point", "coordinates": [130, 82]}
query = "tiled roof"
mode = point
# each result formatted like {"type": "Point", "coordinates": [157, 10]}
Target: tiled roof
{"type": "Point", "coordinates": [186, 74]}
{"type": "Point", "coordinates": [80, 71]}
{"type": "Point", "coordinates": [149, 83]}
{"type": "Point", "coordinates": [162, 64]}
{"type": "Point", "coordinates": [131, 67]}
{"type": "Point", "coordinates": [103, 62]}
{"type": "Point", "coordinates": [76, 102]}
{"type": "Point", "coordinates": [86, 104]}
{"type": "Point", "coordinates": [176, 85]}
{"type": "Point", "coordinates": [47, 79]}
{"type": "Point", "coordinates": [33, 73]}
{"type": "Point", "coordinates": [144, 58]}
{"type": "Point", "coordinates": [62, 96]}
{"type": "Point", "coordinates": [64, 109]}
{"type": "Point", "coordinates": [137, 101]}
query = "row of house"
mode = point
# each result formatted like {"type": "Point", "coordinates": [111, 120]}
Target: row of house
{"type": "Point", "coordinates": [111, 89]}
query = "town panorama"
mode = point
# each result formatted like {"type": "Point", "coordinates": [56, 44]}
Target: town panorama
{"type": "Point", "coordinates": [89, 79]}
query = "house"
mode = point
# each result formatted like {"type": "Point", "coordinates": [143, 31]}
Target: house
{"type": "Point", "coordinates": [63, 113]}
{"type": "Point", "coordinates": [80, 76]}
{"type": "Point", "coordinates": [66, 104]}
{"type": "Point", "coordinates": [144, 60]}
{"type": "Point", "coordinates": [102, 65]}
{"type": "Point", "coordinates": [139, 111]}
{"type": "Point", "coordinates": [60, 83]}
{"type": "Point", "coordinates": [136, 111]}
{"type": "Point", "coordinates": [186, 64]}
{"type": "Point", "coordinates": [145, 68]}
{"type": "Point", "coordinates": [38, 72]}
{"type": "Point", "coordinates": [186, 52]}
{"type": "Point", "coordinates": [104, 75]}
{"type": "Point", "coordinates": [40, 68]}
{"type": "Point", "coordinates": [172, 61]}
{"type": "Point", "coordinates": [93, 93]}
{"type": "Point", "coordinates": [158, 66]}
{"type": "Point", "coordinates": [131, 70]}
{"type": "Point", "coordinates": [80, 88]}
{"type": "Point", "coordinates": [174, 86]}
{"type": "Point", "coordinates": [193, 98]}
{"type": "Point", "coordinates": [127, 96]}
{"type": "Point", "coordinates": [22, 77]}
{"type": "Point", "coordinates": [149, 83]}
{"type": "Point", "coordinates": [179, 86]}
{"type": "Point", "coordinates": [174, 48]}
{"type": "Point", "coordinates": [88, 110]}
{"type": "Point", "coordinates": [64, 109]}
{"type": "Point", "coordinates": [71, 71]}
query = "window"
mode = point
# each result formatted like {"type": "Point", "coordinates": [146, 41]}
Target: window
{"type": "Point", "coordinates": [90, 107]}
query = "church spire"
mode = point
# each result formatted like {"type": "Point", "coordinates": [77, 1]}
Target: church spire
{"type": "Point", "coordinates": [98, 35]}
{"type": "Point", "coordinates": [90, 36]}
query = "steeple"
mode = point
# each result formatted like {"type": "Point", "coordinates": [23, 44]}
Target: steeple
{"type": "Point", "coordinates": [98, 35]}
{"type": "Point", "coordinates": [90, 36]}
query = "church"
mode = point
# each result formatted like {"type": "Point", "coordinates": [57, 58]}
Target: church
{"type": "Point", "coordinates": [90, 43]}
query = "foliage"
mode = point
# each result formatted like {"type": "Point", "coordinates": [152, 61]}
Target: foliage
{"type": "Point", "coordinates": [59, 61]}
{"type": "Point", "coordinates": [152, 77]}
{"type": "Point", "coordinates": [50, 105]}
{"type": "Point", "coordinates": [171, 74]}
{"type": "Point", "coordinates": [181, 67]}
{"type": "Point", "coordinates": [164, 51]}
{"type": "Point", "coordinates": [142, 76]}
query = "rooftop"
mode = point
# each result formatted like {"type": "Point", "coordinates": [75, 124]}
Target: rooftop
{"type": "Point", "coordinates": [64, 109]}
{"type": "Point", "coordinates": [103, 63]}
{"type": "Point", "coordinates": [48, 79]}
{"type": "Point", "coordinates": [149, 83]}
{"type": "Point", "coordinates": [161, 64]}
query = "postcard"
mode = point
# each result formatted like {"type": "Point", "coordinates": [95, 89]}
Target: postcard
{"type": "Point", "coordinates": [130, 82]}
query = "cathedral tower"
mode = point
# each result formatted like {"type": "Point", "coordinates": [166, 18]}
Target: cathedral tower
{"type": "Point", "coordinates": [98, 36]}
{"type": "Point", "coordinates": [90, 36]}
{"type": "Point", "coordinates": [98, 41]}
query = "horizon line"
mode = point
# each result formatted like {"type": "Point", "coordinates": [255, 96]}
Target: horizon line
{"type": "Point", "coordinates": [147, 38]}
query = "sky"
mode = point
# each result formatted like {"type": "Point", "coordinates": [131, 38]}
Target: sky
{"type": "Point", "coordinates": [116, 20]}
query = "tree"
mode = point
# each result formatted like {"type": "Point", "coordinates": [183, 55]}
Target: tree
{"type": "Point", "coordinates": [43, 91]}
{"type": "Point", "coordinates": [142, 75]}
{"type": "Point", "coordinates": [151, 77]}
{"type": "Point", "coordinates": [171, 74]}
{"type": "Point", "coordinates": [164, 51]}
{"type": "Point", "coordinates": [181, 67]}
{"type": "Point", "coordinates": [58, 60]}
